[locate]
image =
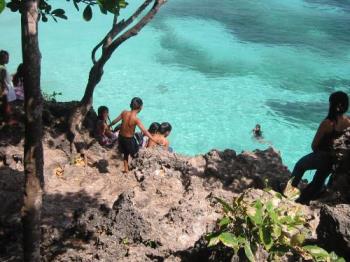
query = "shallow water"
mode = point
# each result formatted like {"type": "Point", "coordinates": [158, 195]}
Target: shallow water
{"type": "Point", "coordinates": [212, 70]}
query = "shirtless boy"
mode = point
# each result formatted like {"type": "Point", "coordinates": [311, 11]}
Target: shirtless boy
{"type": "Point", "coordinates": [127, 143]}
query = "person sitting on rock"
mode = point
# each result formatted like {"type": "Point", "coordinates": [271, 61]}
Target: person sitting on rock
{"type": "Point", "coordinates": [153, 130]}
{"type": "Point", "coordinates": [320, 159]}
{"type": "Point", "coordinates": [128, 145]}
{"type": "Point", "coordinates": [17, 80]}
{"type": "Point", "coordinates": [161, 136]}
{"type": "Point", "coordinates": [103, 132]}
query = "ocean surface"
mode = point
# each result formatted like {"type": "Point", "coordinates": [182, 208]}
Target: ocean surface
{"type": "Point", "coordinates": [211, 69]}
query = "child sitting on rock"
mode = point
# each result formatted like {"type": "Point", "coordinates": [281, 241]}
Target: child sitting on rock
{"type": "Point", "coordinates": [103, 133]}
{"type": "Point", "coordinates": [161, 137]}
{"type": "Point", "coordinates": [153, 129]}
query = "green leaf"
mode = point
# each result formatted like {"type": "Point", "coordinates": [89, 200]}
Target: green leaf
{"type": "Point", "coordinates": [278, 195]}
{"type": "Point", "coordinates": [87, 14]}
{"type": "Point", "coordinates": [297, 239]}
{"type": "Point", "coordinates": [75, 2]}
{"type": "Point", "coordinates": [44, 18]}
{"type": "Point", "coordinates": [257, 219]}
{"type": "Point", "coordinates": [224, 222]}
{"type": "Point", "coordinates": [248, 252]}
{"type": "Point", "coordinates": [111, 6]}
{"type": "Point", "coordinates": [265, 237]}
{"type": "Point", "coordinates": [225, 205]}
{"type": "Point", "coordinates": [276, 231]}
{"type": "Point", "coordinates": [318, 253]}
{"type": "Point", "coordinates": [2, 5]}
{"type": "Point", "coordinates": [122, 4]}
{"type": "Point", "coordinates": [13, 5]}
{"type": "Point", "coordinates": [59, 13]}
{"type": "Point", "coordinates": [213, 240]}
{"type": "Point", "coordinates": [229, 240]}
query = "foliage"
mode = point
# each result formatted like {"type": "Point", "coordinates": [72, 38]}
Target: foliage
{"type": "Point", "coordinates": [46, 10]}
{"type": "Point", "coordinates": [51, 97]}
{"type": "Point", "coordinates": [2, 5]}
{"type": "Point", "coordinates": [276, 227]}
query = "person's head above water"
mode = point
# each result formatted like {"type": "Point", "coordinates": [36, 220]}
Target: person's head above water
{"type": "Point", "coordinates": [257, 131]}
{"type": "Point", "coordinates": [136, 104]}
{"type": "Point", "coordinates": [4, 57]}
{"type": "Point", "coordinates": [165, 129]}
{"type": "Point", "coordinates": [338, 105]}
{"type": "Point", "coordinates": [102, 112]}
{"type": "Point", "coordinates": [154, 128]}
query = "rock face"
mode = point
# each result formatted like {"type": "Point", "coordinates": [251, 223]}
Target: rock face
{"type": "Point", "coordinates": [92, 212]}
{"type": "Point", "coordinates": [162, 208]}
{"type": "Point", "coordinates": [256, 169]}
{"type": "Point", "coordinates": [170, 206]}
{"type": "Point", "coordinates": [341, 178]}
{"type": "Point", "coordinates": [334, 229]}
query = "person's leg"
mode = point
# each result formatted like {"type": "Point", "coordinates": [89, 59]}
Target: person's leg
{"type": "Point", "coordinates": [309, 162]}
{"type": "Point", "coordinates": [324, 169]}
{"type": "Point", "coordinates": [313, 188]}
{"type": "Point", "coordinates": [126, 163]}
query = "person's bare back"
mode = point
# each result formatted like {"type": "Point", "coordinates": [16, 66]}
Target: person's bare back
{"type": "Point", "coordinates": [128, 145]}
{"type": "Point", "coordinates": [158, 140]}
{"type": "Point", "coordinates": [129, 123]}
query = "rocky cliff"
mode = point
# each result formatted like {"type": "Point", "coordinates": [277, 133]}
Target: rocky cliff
{"type": "Point", "coordinates": [160, 211]}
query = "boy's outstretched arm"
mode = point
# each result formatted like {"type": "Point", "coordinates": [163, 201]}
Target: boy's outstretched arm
{"type": "Point", "coordinates": [116, 120]}
{"type": "Point", "coordinates": [144, 130]}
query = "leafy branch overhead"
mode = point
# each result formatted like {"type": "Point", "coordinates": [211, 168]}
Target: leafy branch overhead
{"type": "Point", "coordinates": [46, 10]}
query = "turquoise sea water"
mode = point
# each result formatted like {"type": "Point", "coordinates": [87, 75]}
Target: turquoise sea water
{"type": "Point", "coordinates": [212, 69]}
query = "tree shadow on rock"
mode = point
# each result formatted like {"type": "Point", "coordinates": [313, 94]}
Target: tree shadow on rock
{"type": "Point", "coordinates": [11, 199]}
{"type": "Point", "coordinates": [59, 215]}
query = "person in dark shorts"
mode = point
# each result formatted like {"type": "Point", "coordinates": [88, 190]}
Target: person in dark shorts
{"type": "Point", "coordinates": [128, 145]}
{"type": "Point", "coordinates": [320, 159]}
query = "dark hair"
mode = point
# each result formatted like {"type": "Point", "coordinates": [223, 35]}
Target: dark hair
{"type": "Point", "coordinates": [3, 53]}
{"type": "Point", "coordinates": [18, 76]}
{"type": "Point", "coordinates": [338, 105]}
{"type": "Point", "coordinates": [165, 127]}
{"type": "Point", "coordinates": [136, 103]}
{"type": "Point", "coordinates": [154, 128]}
{"type": "Point", "coordinates": [101, 110]}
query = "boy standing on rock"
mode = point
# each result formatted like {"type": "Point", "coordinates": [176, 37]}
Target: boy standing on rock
{"type": "Point", "coordinates": [128, 145]}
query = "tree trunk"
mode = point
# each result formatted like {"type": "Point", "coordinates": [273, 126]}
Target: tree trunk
{"type": "Point", "coordinates": [79, 113]}
{"type": "Point", "coordinates": [33, 150]}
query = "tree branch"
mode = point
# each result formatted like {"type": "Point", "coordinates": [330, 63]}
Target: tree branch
{"type": "Point", "coordinates": [136, 28]}
{"type": "Point", "coordinates": [117, 28]}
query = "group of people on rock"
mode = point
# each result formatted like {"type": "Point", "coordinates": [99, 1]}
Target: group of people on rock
{"type": "Point", "coordinates": [124, 134]}
{"type": "Point", "coordinates": [129, 141]}
{"type": "Point", "coordinates": [320, 159]}
{"type": "Point", "coordinates": [11, 87]}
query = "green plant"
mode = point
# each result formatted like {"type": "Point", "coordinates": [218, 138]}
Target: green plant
{"type": "Point", "coordinates": [271, 224]}
{"type": "Point", "coordinates": [51, 97]}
